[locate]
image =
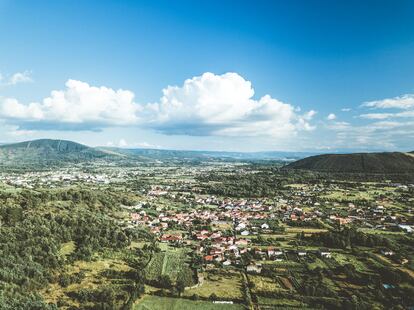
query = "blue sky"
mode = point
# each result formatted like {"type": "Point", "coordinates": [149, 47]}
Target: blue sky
{"type": "Point", "coordinates": [259, 75]}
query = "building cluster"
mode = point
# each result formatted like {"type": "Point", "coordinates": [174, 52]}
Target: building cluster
{"type": "Point", "coordinates": [221, 230]}
{"type": "Point", "coordinates": [53, 178]}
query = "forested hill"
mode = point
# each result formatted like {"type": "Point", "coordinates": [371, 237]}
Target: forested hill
{"type": "Point", "coordinates": [47, 152]}
{"type": "Point", "coordinates": [384, 163]}
{"type": "Point", "coordinates": [53, 145]}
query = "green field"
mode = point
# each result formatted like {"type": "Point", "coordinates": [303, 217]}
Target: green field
{"type": "Point", "coordinates": [283, 303]}
{"type": "Point", "coordinates": [317, 263]}
{"type": "Point", "coordinates": [343, 259]}
{"type": "Point", "coordinates": [166, 303]}
{"type": "Point", "coordinates": [225, 285]}
{"type": "Point", "coordinates": [264, 284]}
{"type": "Point", "coordinates": [380, 232]}
{"type": "Point", "coordinates": [170, 262]}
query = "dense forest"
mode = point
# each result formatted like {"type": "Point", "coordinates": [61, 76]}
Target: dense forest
{"type": "Point", "coordinates": [35, 225]}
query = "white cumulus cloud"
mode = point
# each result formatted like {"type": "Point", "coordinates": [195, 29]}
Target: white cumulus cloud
{"type": "Point", "coordinates": [331, 117]}
{"type": "Point", "coordinates": [78, 106]}
{"type": "Point", "coordinates": [209, 104]}
{"type": "Point", "coordinates": [223, 105]}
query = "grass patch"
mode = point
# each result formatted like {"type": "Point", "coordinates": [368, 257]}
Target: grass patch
{"type": "Point", "coordinates": [281, 302]}
{"type": "Point", "coordinates": [296, 230]}
{"type": "Point", "coordinates": [343, 259]}
{"type": "Point", "coordinates": [264, 284]}
{"type": "Point", "coordinates": [380, 232]}
{"type": "Point", "coordinates": [317, 263]}
{"type": "Point", "coordinates": [92, 279]}
{"type": "Point", "coordinates": [227, 286]}
{"type": "Point", "coordinates": [167, 303]}
{"type": "Point", "coordinates": [67, 248]}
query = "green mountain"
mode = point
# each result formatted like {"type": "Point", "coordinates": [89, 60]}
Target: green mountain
{"type": "Point", "coordinates": [47, 152]}
{"type": "Point", "coordinates": [386, 163]}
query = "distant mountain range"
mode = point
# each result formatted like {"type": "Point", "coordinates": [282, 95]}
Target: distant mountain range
{"type": "Point", "coordinates": [48, 152]}
{"type": "Point", "coordinates": [160, 154]}
{"type": "Point", "coordinates": [386, 163]}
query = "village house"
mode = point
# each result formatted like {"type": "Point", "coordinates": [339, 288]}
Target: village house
{"type": "Point", "coordinates": [171, 238]}
{"type": "Point", "coordinates": [387, 252]}
{"type": "Point", "coordinates": [301, 253]}
{"type": "Point", "coordinates": [325, 253]}
{"type": "Point", "coordinates": [254, 268]}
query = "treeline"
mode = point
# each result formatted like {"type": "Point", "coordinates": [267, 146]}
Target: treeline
{"type": "Point", "coordinates": [349, 236]}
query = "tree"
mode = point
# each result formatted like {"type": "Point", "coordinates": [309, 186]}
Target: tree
{"type": "Point", "coordinates": [165, 281]}
{"type": "Point", "coordinates": [180, 286]}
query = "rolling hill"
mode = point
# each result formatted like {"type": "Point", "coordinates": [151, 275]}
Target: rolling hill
{"type": "Point", "coordinates": [383, 163]}
{"type": "Point", "coordinates": [46, 152]}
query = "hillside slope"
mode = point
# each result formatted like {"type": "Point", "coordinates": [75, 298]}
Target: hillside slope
{"type": "Point", "coordinates": [45, 152]}
{"type": "Point", "coordinates": [387, 163]}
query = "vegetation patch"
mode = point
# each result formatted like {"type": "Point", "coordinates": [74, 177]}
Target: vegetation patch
{"type": "Point", "coordinates": [226, 286]}
{"type": "Point", "coordinates": [167, 303]}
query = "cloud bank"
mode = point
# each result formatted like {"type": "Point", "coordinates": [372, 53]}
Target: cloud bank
{"type": "Point", "coordinates": [389, 126]}
{"type": "Point", "coordinates": [404, 104]}
{"type": "Point", "coordinates": [78, 107]}
{"type": "Point", "coordinates": [221, 105]}
{"type": "Point", "coordinates": [211, 105]}
{"type": "Point", "coordinates": [401, 102]}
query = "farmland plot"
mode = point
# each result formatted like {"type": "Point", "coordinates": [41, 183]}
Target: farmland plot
{"type": "Point", "coordinates": [166, 303]}
{"type": "Point", "coordinates": [169, 263]}
{"type": "Point", "coordinates": [226, 286]}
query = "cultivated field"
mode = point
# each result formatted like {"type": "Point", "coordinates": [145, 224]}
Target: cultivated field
{"type": "Point", "coordinates": [166, 303]}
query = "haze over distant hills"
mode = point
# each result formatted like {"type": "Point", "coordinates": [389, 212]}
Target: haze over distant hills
{"type": "Point", "coordinates": [160, 154]}
{"type": "Point", "coordinates": [386, 162]}
{"type": "Point", "coordinates": [49, 152]}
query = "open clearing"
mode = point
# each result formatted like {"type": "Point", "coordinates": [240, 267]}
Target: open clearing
{"type": "Point", "coordinates": [226, 286]}
{"type": "Point", "coordinates": [91, 280]}
{"type": "Point", "coordinates": [263, 284]}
